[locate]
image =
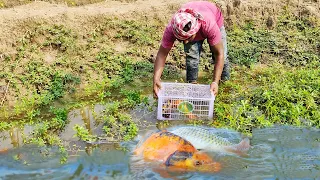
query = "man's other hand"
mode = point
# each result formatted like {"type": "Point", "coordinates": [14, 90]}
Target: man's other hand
{"type": "Point", "coordinates": [156, 87]}
{"type": "Point", "coordinates": [214, 88]}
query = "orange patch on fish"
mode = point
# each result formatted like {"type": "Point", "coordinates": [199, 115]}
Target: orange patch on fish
{"type": "Point", "coordinates": [3, 151]}
{"type": "Point", "coordinates": [176, 152]}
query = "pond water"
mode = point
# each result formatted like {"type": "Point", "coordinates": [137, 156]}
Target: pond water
{"type": "Point", "coordinates": [280, 152]}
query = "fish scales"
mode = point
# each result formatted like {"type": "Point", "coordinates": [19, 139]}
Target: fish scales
{"type": "Point", "coordinates": [175, 153]}
{"type": "Point", "coordinates": [201, 138]}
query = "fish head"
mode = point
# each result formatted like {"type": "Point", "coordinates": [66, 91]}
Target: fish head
{"type": "Point", "coordinates": [193, 161]}
{"type": "Point", "coordinates": [204, 163]}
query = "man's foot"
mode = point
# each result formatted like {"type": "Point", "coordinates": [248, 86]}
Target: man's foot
{"type": "Point", "coordinates": [193, 82]}
{"type": "Point", "coordinates": [225, 76]}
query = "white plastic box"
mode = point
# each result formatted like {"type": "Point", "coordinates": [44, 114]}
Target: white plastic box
{"type": "Point", "coordinates": [182, 101]}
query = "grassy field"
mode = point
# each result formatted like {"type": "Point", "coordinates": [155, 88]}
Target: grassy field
{"type": "Point", "coordinates": [57, 67]}
{"type": "Point", "coordinates": [13, 3]}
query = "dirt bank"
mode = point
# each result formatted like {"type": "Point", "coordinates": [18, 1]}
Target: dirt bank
{"type": "Point", "coordinates": [17, 21]}
{"type": "Point", "coordinates": [13, 20]}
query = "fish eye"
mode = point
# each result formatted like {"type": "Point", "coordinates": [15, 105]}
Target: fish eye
{"type": "Point", "coordinates": [198, 163]}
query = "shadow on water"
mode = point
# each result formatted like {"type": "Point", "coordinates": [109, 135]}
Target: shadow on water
{"type": "Point", "coordinates": [280, 152]}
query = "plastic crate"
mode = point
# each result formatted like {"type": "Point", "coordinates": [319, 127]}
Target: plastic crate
{"type": "Point", "coordinates": [181, 101]}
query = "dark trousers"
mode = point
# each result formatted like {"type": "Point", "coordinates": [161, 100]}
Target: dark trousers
{"type": "Point", "coordinates": [193, 50]}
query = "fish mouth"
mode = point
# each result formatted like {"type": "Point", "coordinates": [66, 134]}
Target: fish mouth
{"type": "Point", "coordinates": [192, 162]}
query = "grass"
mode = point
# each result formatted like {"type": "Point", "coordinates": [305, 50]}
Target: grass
{"type": "Point", "coordinates": [284, 88]}
{"type": "Point", "coordinates": [78, 60]}
{"type": "Point", "coordinates": [275, 74]}
{"type": "Point", "coordinates": [13, 3]}
{"type": "Point", "coordinates": [277, 96]}
{"type": "Point", "coordinates": [285, 44]}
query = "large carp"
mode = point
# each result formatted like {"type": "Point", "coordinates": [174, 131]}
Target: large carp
{"type": "Point", "coordinates": [203, 139]}
{"type": "Point", "coordinates": [176, 152]}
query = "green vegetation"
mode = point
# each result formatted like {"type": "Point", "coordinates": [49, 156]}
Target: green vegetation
{"type": "Point", "coordinates": [44, 81]}
{"type": "Point", "coordinates": [293, 42]}
{"type": "Point", "coordinates": [275, 75]}
{"type": "Point", "coordinates": [116, 123]}
{"type": "Point", "coordinates": [284, 88]}
{"type": "Point", "coordinates": [277, 96]}
{"type": "Point", "coordinates": [46, 132]}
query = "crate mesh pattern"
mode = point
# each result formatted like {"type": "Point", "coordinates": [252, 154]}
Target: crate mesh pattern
{"type": "Point", "coordinates": [181, 101]}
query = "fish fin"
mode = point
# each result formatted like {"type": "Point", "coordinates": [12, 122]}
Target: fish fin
{"type": "Point", "coordinates": [244, 145]}
{"type": "Point", "coordinates": [241, 148]}
{"type": "Point", "coordinates": [4, 150]}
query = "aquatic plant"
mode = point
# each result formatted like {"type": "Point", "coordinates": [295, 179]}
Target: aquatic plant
{"type": "Point", "coordinates": [117, 124]}
{"type": "Point", "coordinates": [60, 118]}
{"type": "Point", "coordinates": [5, 125]}
{"type": "Point", "coordinates": [83, 133]}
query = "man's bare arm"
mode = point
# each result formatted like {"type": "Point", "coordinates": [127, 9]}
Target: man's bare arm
{"type": "Point", "coordinates": [217, 52]}
{"type": "Point", "coordinates": [158, 68]}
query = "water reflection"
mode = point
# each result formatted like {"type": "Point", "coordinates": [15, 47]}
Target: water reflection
{"type": "Point", "coordinates": [13, 137]}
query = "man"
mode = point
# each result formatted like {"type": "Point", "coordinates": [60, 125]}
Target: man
{"type": "Point", "coordinates": [192, 24]}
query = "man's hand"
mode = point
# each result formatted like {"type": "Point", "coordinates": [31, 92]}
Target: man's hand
{"type": "Point", "coordinates": [156, 87]}
{"type": "Point", "coordinates": [214, 88]}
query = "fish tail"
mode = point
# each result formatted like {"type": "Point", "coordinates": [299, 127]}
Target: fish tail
{"type": "Point", "coordinates": [240, 148]}
{"type": "Point", "coordinates": [244, 145]}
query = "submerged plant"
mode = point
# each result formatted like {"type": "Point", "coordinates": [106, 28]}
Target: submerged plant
{"type": "Point", "coordinates": [83, 134]}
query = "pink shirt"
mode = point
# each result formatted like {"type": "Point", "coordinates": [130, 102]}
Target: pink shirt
{"type": "Point", "coordinates": [210, 30]}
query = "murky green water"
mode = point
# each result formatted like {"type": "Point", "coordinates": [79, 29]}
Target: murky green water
{"type": "Point", "coordinates": [280, 152]}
